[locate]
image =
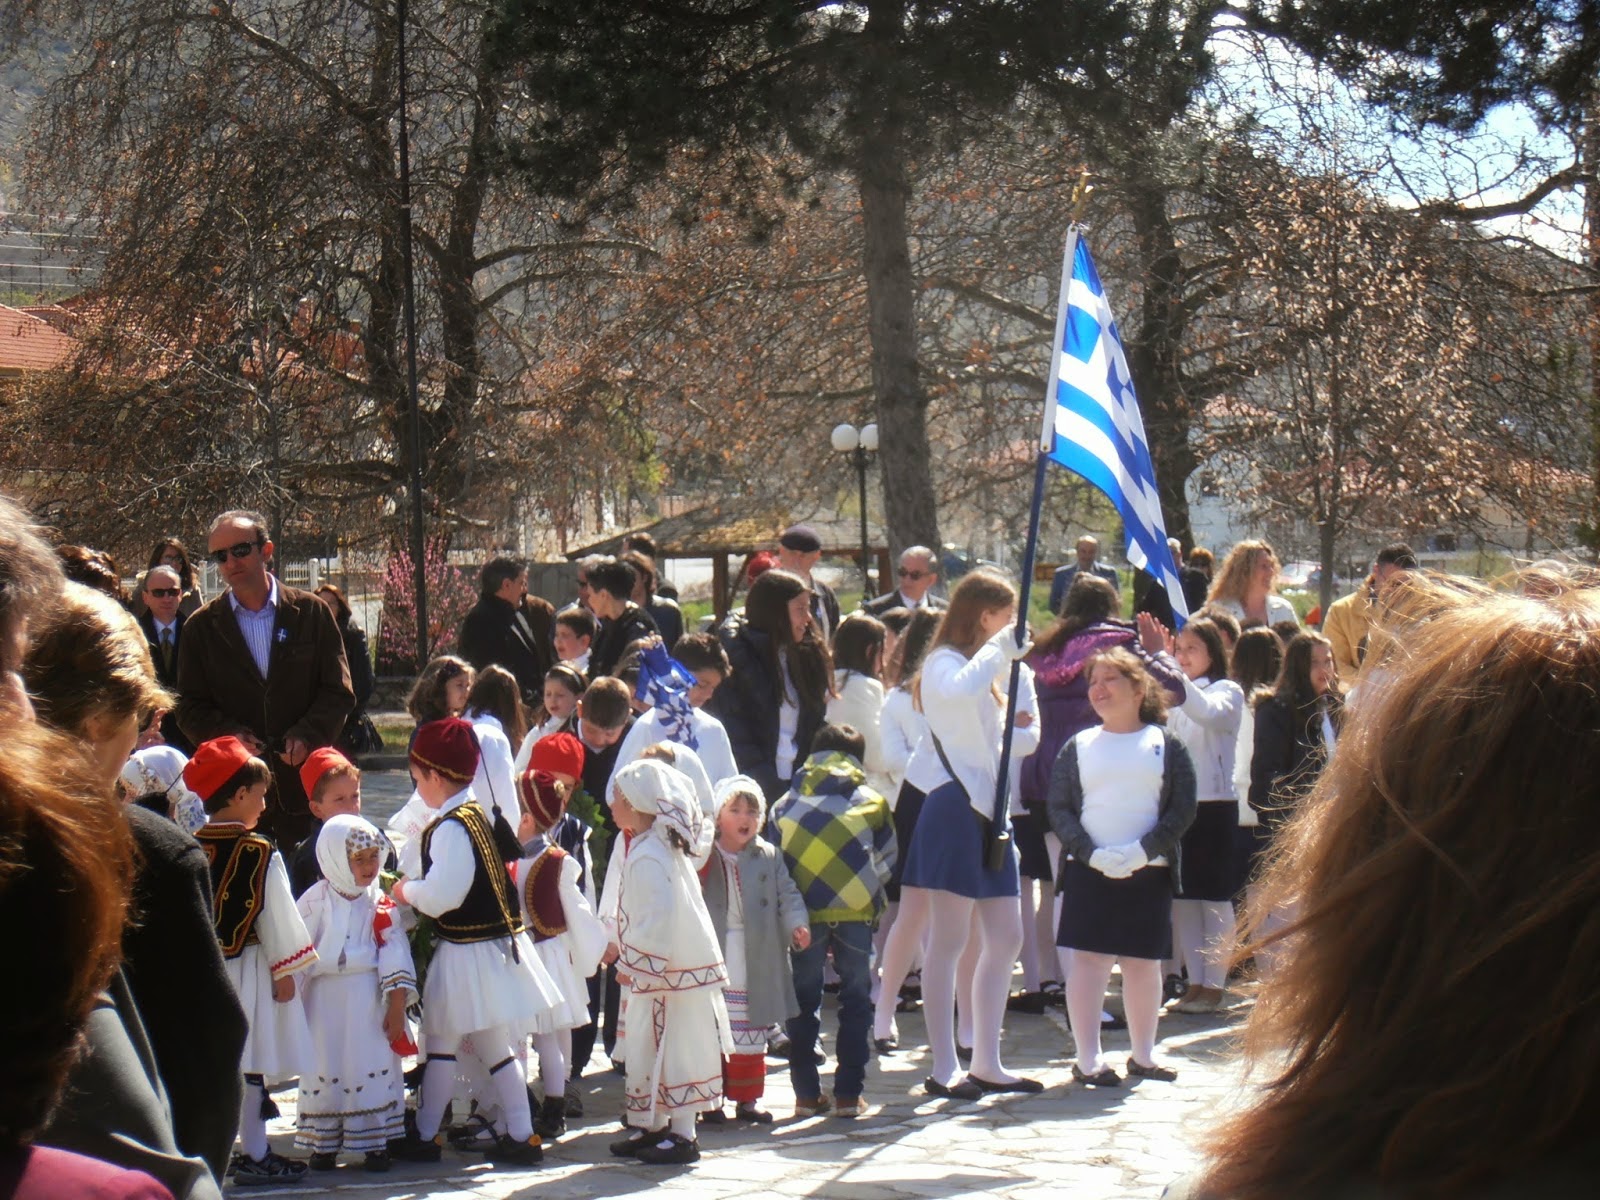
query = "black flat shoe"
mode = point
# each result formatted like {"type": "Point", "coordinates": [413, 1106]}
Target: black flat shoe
{"type": "Point", "coordinates": [965, 1090]}
{"type": "Point", "coordinates": [1106, 1077]}
{"type": "Point", "coordinates": [1026, 1087]}
{"type": "Point", "coordinates": [1031, 1003]}
{"type": "Point", "coordinates": [667, 1150]}
{"type": "Point", "coordinates": [964, 1055]}
{"type": "Point", "coordinates": [1138, 1070]}
{"type": "Point", "coordinates": [713, 1116]}
{"type": "Point", "coordinates": [747, 1111]}
{"type": "Point", "coordinates": [323, 1161]}
{"type": "Point", "coordinates": [628, 1146]}
{"type": "Point", "coordinates": [885, 1045]}
{"type": "Point", "coordinates": [1112, 1024]}
{"type": "Point", "coordinates": [377, 1161]}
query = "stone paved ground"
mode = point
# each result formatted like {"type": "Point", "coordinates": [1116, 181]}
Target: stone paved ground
{"type": "Point", "coordinates": [1086, 1143]}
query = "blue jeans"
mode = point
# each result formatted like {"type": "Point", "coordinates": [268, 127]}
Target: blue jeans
{"type": "Point", "coordinates": [851, 942]}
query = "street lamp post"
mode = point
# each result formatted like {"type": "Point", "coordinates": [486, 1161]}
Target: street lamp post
{"type": "Point", "coordinates": [860, 444]}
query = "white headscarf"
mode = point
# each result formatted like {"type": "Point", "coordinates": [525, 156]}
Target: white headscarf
{"type": "Point", "coordinates": [158, 769]}
{"type": "Point", "coordinates": [654, 787]}
{"type": "Point", "coordinates": [346, 902]}
{"type": "Point", "coordinates": [742, 785]}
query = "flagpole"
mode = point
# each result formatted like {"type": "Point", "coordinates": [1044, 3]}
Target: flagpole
{"type": "Point", "coordinates": [1030, 551]}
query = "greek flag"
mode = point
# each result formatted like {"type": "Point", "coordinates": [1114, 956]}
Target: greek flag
{"type": "Point", "coordinates": [1092, 424]}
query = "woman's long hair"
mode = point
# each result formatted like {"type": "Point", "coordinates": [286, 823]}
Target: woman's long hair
{"type": "Point", "coordinates": [1089, 601]}
{"type": "Point", "coordinates": [1257, 659]}
{"type": "Point", "coordinates": [1435, 1018]}
{"type": "Point", "coordinates": [858, 645]}
{"type": "Point", "coordinates": [427, 700]}
{"type": "Point", "coordinates": [766, 609]}
{"type": "Point", "coordinates": [1233, 579]}
{"type": "Point", "coordinates": [496, 692]}
{"type": "Point", "coordinates": [91, 659]}
{"type": "Point", "coordinates": [1293, 686]}
{"type": "Point", "coordinates": [914, 644]}
{"type": "Point", "coordinates": [66, 865]}
{"type": "Point", "coordinates": [185, 568]}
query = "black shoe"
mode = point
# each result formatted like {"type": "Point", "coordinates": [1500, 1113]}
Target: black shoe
{"type": "Point", "coordinates": [552, 1122]}
{"type": "Point", "coordinates": [907, 1004]}
{"type": "Point", "coordinates": [574, 1099]}
{"type": "Point", "coordinates": [1105, 1077]}
{"type": "Point", "coordinates": [1032, 1003]}
{"type": "Point", "coordinates": [513, 1152]}
{"type": "Point", "coordinates": [272, 1170]}
{"type": "Point", "coordinates": [323, 1161]}
{"type": "Point", "coordinates": [629, 1146]}
{"type": "Point", "coordinates": [964, 1054]}
{"type": "Point", "coordinates": [477, 1134]}
{"type": "Point", "coordinates": [885, 1045]}
{"type": "Point", "coordinates": [713, 1116]}
{"type": "Point", "coordinates": [1113, 1023]}
{"type": "Point", "coordinates": [377, 1161]}
{"type": "Point", "coordinates": [1054, 994]}
{"type": "Point", "coordinates": [1172, 987]}
{"type": "Point", "coordinates": [1138, 1070]}
{"type": "Point", "coordinates": [413, 1147]}
{"type": "Point", "coordinates": [747, 1111]}
{"type": "Point", "coordinates": [965, 1090]}
{"type": "Point", "coordinates": [1024, 1087]}
{"type": "Point", "coordinates": [667, 1150]}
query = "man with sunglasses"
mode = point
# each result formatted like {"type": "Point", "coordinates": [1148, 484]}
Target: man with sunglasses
{"type": "Point", "coordinates": [161, 591]}
{"type": "Point", "coordinates": [264, 663]}
{"type": "Point", "coordinates": [919, 573]}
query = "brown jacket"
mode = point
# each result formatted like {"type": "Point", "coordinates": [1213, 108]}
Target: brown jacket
{"type": "Point", "coordinates": [306, 693]}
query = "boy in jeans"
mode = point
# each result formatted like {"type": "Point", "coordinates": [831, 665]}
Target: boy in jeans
{"type": "Point", "coordinates": [837, 838]}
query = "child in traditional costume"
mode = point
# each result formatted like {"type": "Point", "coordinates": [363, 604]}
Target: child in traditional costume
{"type": "Point", "coordinates": [676, 1025]}
{"type": "Point", "coordinates": [353, 1097]}
{"type": "Point", "coordinates": [264, 941]}
{"type": "Point", "coordinates": [485, 982]}
{"type": "Point", "coordinates": [758, 914]}
{"type": "Point", "coordinates": [566, 935]}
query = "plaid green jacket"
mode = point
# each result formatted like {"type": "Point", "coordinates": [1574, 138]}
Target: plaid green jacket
{"type": "Point", "coordinates": [837, 838]}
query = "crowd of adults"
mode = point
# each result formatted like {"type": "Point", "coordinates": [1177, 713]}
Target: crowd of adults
{"type": "Point", "coordinates": [1387, 826]}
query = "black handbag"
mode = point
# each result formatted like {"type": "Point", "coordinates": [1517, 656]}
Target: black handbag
{"type": "Point", "coordinates": [361, 736]}
{"type": "Point", "coordinates": [996, 845]}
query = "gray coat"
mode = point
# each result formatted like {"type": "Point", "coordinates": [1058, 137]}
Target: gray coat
{"type": "Point", "coordinates": [773, 910]}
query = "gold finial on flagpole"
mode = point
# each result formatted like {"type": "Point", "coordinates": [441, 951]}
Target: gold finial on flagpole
{"type": "Point", "coordinates": [1080, 196]}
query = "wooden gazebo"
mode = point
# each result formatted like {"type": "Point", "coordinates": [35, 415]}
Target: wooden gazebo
{"type": "Point", "coordinates": [723, 534]}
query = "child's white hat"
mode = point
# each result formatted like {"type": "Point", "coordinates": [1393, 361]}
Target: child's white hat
{"type": "Point", "coordinates": [654, 787]}
{"type": "Point", "coordinates": [742, 785]}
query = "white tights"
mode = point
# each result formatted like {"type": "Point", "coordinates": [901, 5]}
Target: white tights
{"type": "Point", "coordinates": [252, 1125]}
{"type": "Point", "coordinates": [1203, 930]}
{"type": "Point", "coordinates": [900, 950]}
{"type": "Point", "coordinates": [553, 1050]}
{"type": "Point", "coordinates": [1087, 978]}
{"type": "Point", "coordinates": [999, 933]}
{"type": "Point", "coordinates": [497, 1049]}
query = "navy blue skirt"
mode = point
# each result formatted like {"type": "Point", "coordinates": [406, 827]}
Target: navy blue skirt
{"type": "Point", "coordinates": [1129, 917]}
{"type": "Point", "coordinates": [946, 851]}
{"type": "Point", "coordinates": [907, 808]}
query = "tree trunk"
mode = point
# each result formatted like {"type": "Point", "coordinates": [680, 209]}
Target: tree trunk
{"type": "Point", "coordinates": [910, 509]}
{"type": "Point", "coordinates": [1591, 213]}
{"type": "Point", "coordinates": [1155, 358]}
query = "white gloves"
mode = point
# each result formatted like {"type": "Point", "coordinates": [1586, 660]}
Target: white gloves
{"type": "Point", "coordinates": [1108, 861]}
{"type": "Point", "coordinates": [1118, 862]}
{"type": "Point", "coordinates": [1006, 641]}
{"type": "Point", "coordinates": [1133, 857]}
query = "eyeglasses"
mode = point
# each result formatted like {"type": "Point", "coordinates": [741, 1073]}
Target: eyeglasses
{"type": "Point", "coordinates": [242, 550]}
{"type": "Point", "coordinates": [165, 593]}
{"type": "Point", "coordinates": [907, 573]}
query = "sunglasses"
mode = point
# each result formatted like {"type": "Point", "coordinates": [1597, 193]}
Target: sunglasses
{"type": "Point", "coordinates": [165, 593]}
{"type": "Point", "coordinates": [242, 550]}
{"type": "Point", "coordinates": [906, 573]}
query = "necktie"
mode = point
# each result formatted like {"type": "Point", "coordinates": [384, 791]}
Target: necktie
{"type": "Point", "coordinates": [166, 648]}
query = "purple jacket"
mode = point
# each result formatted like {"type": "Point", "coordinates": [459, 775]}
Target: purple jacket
{"type": "Point", "coordinates": [1063, 687]}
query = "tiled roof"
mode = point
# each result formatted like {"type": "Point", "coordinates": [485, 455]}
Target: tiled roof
{"type": "Point", "coordinates": [30, 344]}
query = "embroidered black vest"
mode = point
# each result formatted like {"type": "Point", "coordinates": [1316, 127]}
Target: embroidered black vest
{"type": "Point", "coordinates": [490, 909]}
{"type": "Point", "coordinates": [238, 861]}
{"type": "Point", "coordinates": [541, 892]}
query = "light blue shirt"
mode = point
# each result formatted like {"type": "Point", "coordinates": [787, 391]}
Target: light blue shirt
{"type": "Point", "coordinates": [257, 626]}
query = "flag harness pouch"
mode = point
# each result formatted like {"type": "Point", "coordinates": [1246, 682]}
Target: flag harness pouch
{"type": "Point", "coordinates": [996, 844]}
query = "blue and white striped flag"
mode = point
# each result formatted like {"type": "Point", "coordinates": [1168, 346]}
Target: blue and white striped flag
{"type": "Point", "coordinates": [1092, 424]}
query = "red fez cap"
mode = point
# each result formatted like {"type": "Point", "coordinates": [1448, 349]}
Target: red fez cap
{"type": "Point", "coordinates": [448, 747]}
{"type": "Point", "coordinates": [214, 763]}
{"type": "Point", "coordinates": [560, 754]}
{"type": "Point", "coordinates": [543, 796]}
{"type": "Point", "coordinates": [317, 764]}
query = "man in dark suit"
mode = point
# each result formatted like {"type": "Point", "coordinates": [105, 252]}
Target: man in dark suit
{"type": "Point", "coordinates": [611, 586]}
{"type": "Point", "coordinates": [1088, 548]}
{"type": "Point", "coordinates": [265, 663]}
{"type": "Point", "coordinates": [162, 622]}
{"type": "Point", "coordinates": [799, 550]}
{"type": "Point", "coordinates": [499, 631]}
{"type": "Point", "coordinates": [919, 574]}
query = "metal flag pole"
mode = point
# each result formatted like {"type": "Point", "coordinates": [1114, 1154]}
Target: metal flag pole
{"type": "Point", "coordinates": [1047, 435]}
{"type": "Point", "coordinates": [419, 570]}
